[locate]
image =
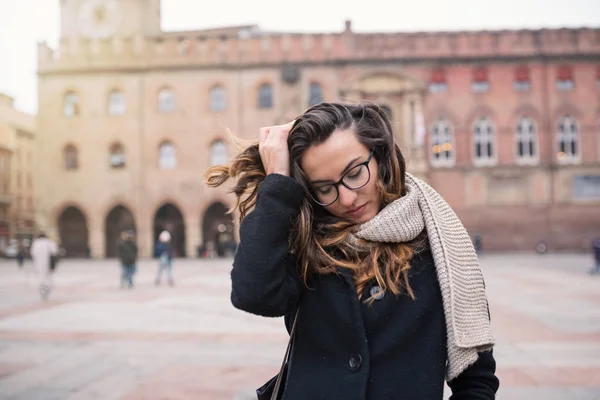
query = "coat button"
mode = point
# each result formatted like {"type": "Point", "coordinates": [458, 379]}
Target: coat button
{"type": "Point", "coordinates": [355, 362]}
{"type": "Point", "coordinates": [377, 293]}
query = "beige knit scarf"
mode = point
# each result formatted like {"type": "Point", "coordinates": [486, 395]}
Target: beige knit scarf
{"type": "Point", "coordinates": [461, 281]}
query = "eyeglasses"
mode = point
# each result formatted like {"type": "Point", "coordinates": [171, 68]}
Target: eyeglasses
{"type": "Point", "coordinates": [355, 178]}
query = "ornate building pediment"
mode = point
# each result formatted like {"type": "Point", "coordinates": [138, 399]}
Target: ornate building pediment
{"type": "Point", "coordinates": [382, 81]}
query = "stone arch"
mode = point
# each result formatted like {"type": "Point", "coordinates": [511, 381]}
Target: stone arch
{"type": "Point", "coordinates": [527, 110]}
{"type": "Point", "coordinates": [218, 229]}
{"type": "Point", "coordinates": [567, 109]}
{"type": "Point", "coordinates": [441, 111]}
{"type": "Point", "coordinates": [73, 232]}
{"type": "Point", "coordinates": [478, 112]}
{"type": "Point", "coordinates": [168, 217]}
{"type": "Point", "coordinates": [119, 219]}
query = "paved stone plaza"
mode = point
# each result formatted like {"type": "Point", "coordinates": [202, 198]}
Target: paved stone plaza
{"type": "Point", "coordinates": [92, 340]}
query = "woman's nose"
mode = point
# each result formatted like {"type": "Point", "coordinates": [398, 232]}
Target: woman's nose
{"type": "Point", "coordinates": [347, 196]}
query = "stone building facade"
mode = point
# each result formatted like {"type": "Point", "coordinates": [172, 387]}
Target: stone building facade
{"type": "Point", "coordinates": [17, 146]}
{"type": "Point", "coordinates": [506, 124]}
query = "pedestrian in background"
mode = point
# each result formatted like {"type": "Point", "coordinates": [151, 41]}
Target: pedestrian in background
{"type": "Point", "coordinates": [20, 255]}
{"type": "Point", "coordinates": [44, 253]}
{"type": "Point", "coordinates": [596, 248]}
{"type": "Point", "coordinates": [128, 256]}
{"type": "Point", "coordinates": [164, 251]}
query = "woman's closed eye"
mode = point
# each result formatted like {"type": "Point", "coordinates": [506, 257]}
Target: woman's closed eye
{"type": "Point", "coordinates": [355, 173]}
{"type": "Point", "coordinates": [324, 189]}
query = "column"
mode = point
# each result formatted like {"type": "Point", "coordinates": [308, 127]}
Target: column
{"type": "Point", "coordinates": [96, 238]}
{"type": "Point", "coordinates": [145, 236]}
{"type": "Point", "coordinates": [193, 236]}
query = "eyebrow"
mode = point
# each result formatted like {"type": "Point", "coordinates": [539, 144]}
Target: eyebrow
{"type": "Point", "coordinates": [348, 166]}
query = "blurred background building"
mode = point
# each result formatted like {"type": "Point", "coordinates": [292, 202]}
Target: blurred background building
{"type": "Point", "coordinates": [17, 146]}
{"type": "Point", "coordinates": [504, 124]}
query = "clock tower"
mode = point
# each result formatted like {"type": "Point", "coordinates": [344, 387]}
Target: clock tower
{"type": "Point", "coordinates": [104, 19]}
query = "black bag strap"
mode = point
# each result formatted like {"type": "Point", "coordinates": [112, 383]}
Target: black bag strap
{"type": "Point", "coordinates": [275, 394]}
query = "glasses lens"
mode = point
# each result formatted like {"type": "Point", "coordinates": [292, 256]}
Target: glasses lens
{"type": "Point", "coordinates": [357, 177]}
{"type": "Point", "coordinates": [326, 195]}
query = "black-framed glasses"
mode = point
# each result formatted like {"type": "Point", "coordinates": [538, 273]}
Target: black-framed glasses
{"type": "Point", "coordinates": [355, 178]}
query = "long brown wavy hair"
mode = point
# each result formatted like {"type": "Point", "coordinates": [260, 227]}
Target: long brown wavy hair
{"type": "Point", "coordinates": [318, 239]}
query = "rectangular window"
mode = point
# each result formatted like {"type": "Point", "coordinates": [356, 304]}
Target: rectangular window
{"type": "Point", "coordinates": [565, 85]}
{"type": "Point", "coordinates": [522, 86]}
{"type": "Point", "coordinates": [565, 78]}
{"type": "Point", "coordinates": [586, 187]}
{"type": "Point", "coordinates": [480, 87]}
{"type": "Point", "coordinates": [438, 87]}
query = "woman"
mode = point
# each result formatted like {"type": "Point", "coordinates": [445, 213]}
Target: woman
{"type": "Point", "coordinates": [385, 279]}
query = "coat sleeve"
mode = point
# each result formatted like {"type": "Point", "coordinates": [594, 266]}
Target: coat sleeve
{"type": "Point", "coordinates": [478, 382]}
{"type": "Point", "coordinates": [264, 278]}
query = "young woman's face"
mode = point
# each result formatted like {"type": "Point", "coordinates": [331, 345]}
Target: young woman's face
{"type": "Point", "coordinates": [340, 157]}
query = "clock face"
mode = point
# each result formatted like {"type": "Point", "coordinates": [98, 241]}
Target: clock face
{"type": "Point", "coordinates": [99, 18]}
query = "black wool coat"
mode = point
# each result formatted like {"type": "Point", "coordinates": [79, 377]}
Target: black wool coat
{"type": "Point", "coordinates": [394, 348]}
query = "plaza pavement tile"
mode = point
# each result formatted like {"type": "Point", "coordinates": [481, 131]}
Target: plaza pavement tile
{"type": "Point", "coordinates": [92, 340]}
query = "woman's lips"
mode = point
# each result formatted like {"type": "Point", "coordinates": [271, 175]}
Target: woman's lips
{"type": "Point", "coordinates": [357, 211]}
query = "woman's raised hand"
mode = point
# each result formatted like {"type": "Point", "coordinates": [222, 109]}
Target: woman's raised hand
{"type": "Point", "coordinates": [273, 148]}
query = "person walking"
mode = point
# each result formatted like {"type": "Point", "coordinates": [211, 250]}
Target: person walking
{"type": "Point", "coordinates": [127, 250]}
{"type": "Point", "coordinates": [376, 276]}
{"type": "Point", "coordinates": [44, 254]}
{"type": "Point", "coordinates": [164, 251]}
{"type": "Point", "coordinates": [596, 249]}
{"type": "Point", "coordinates": [20, 255]}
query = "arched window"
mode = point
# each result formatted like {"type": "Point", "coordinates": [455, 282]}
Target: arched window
{"type": "Point", "coordinates": [167, 156]}
{"type": "Point", "coordinates": [218, 98]}
{"type": "Point", "coordinates": [526, 136]}
{"type": "Point", "coordinates": [442, 144]}
{"type": "Point", "coordinates": [265, 96]}
{"type": "Point", "coordinates": [71, 105]}
{"type": "Point", "coordinates": [218, 153]}
{"type": "Point", "coordinates": [315, 94]}
{"type": "Point", "coordinates": [117, 156]}
{"type": "Point", "coordinates": [116, 103]}
{"type": "Point", "coordinates": [483, 140]}
{"type": "Point", "coordinates": [166, 101]}
{"type": "Point", "coordinates": [71, 157]}
{"type": "Point", "coordinates": [568, 139]}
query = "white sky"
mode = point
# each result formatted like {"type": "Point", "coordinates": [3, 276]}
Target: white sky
{"type": "Point", "coordinates": [25, 22]}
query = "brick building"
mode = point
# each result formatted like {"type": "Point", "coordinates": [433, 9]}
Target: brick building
{"type": "Point", "coordinates": [17, 146]}
{"type": "Point", "coordinates": [505, 124]}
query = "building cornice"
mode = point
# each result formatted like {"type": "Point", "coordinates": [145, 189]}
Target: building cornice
{"type": "Point", "coordinates": [188, 51]}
